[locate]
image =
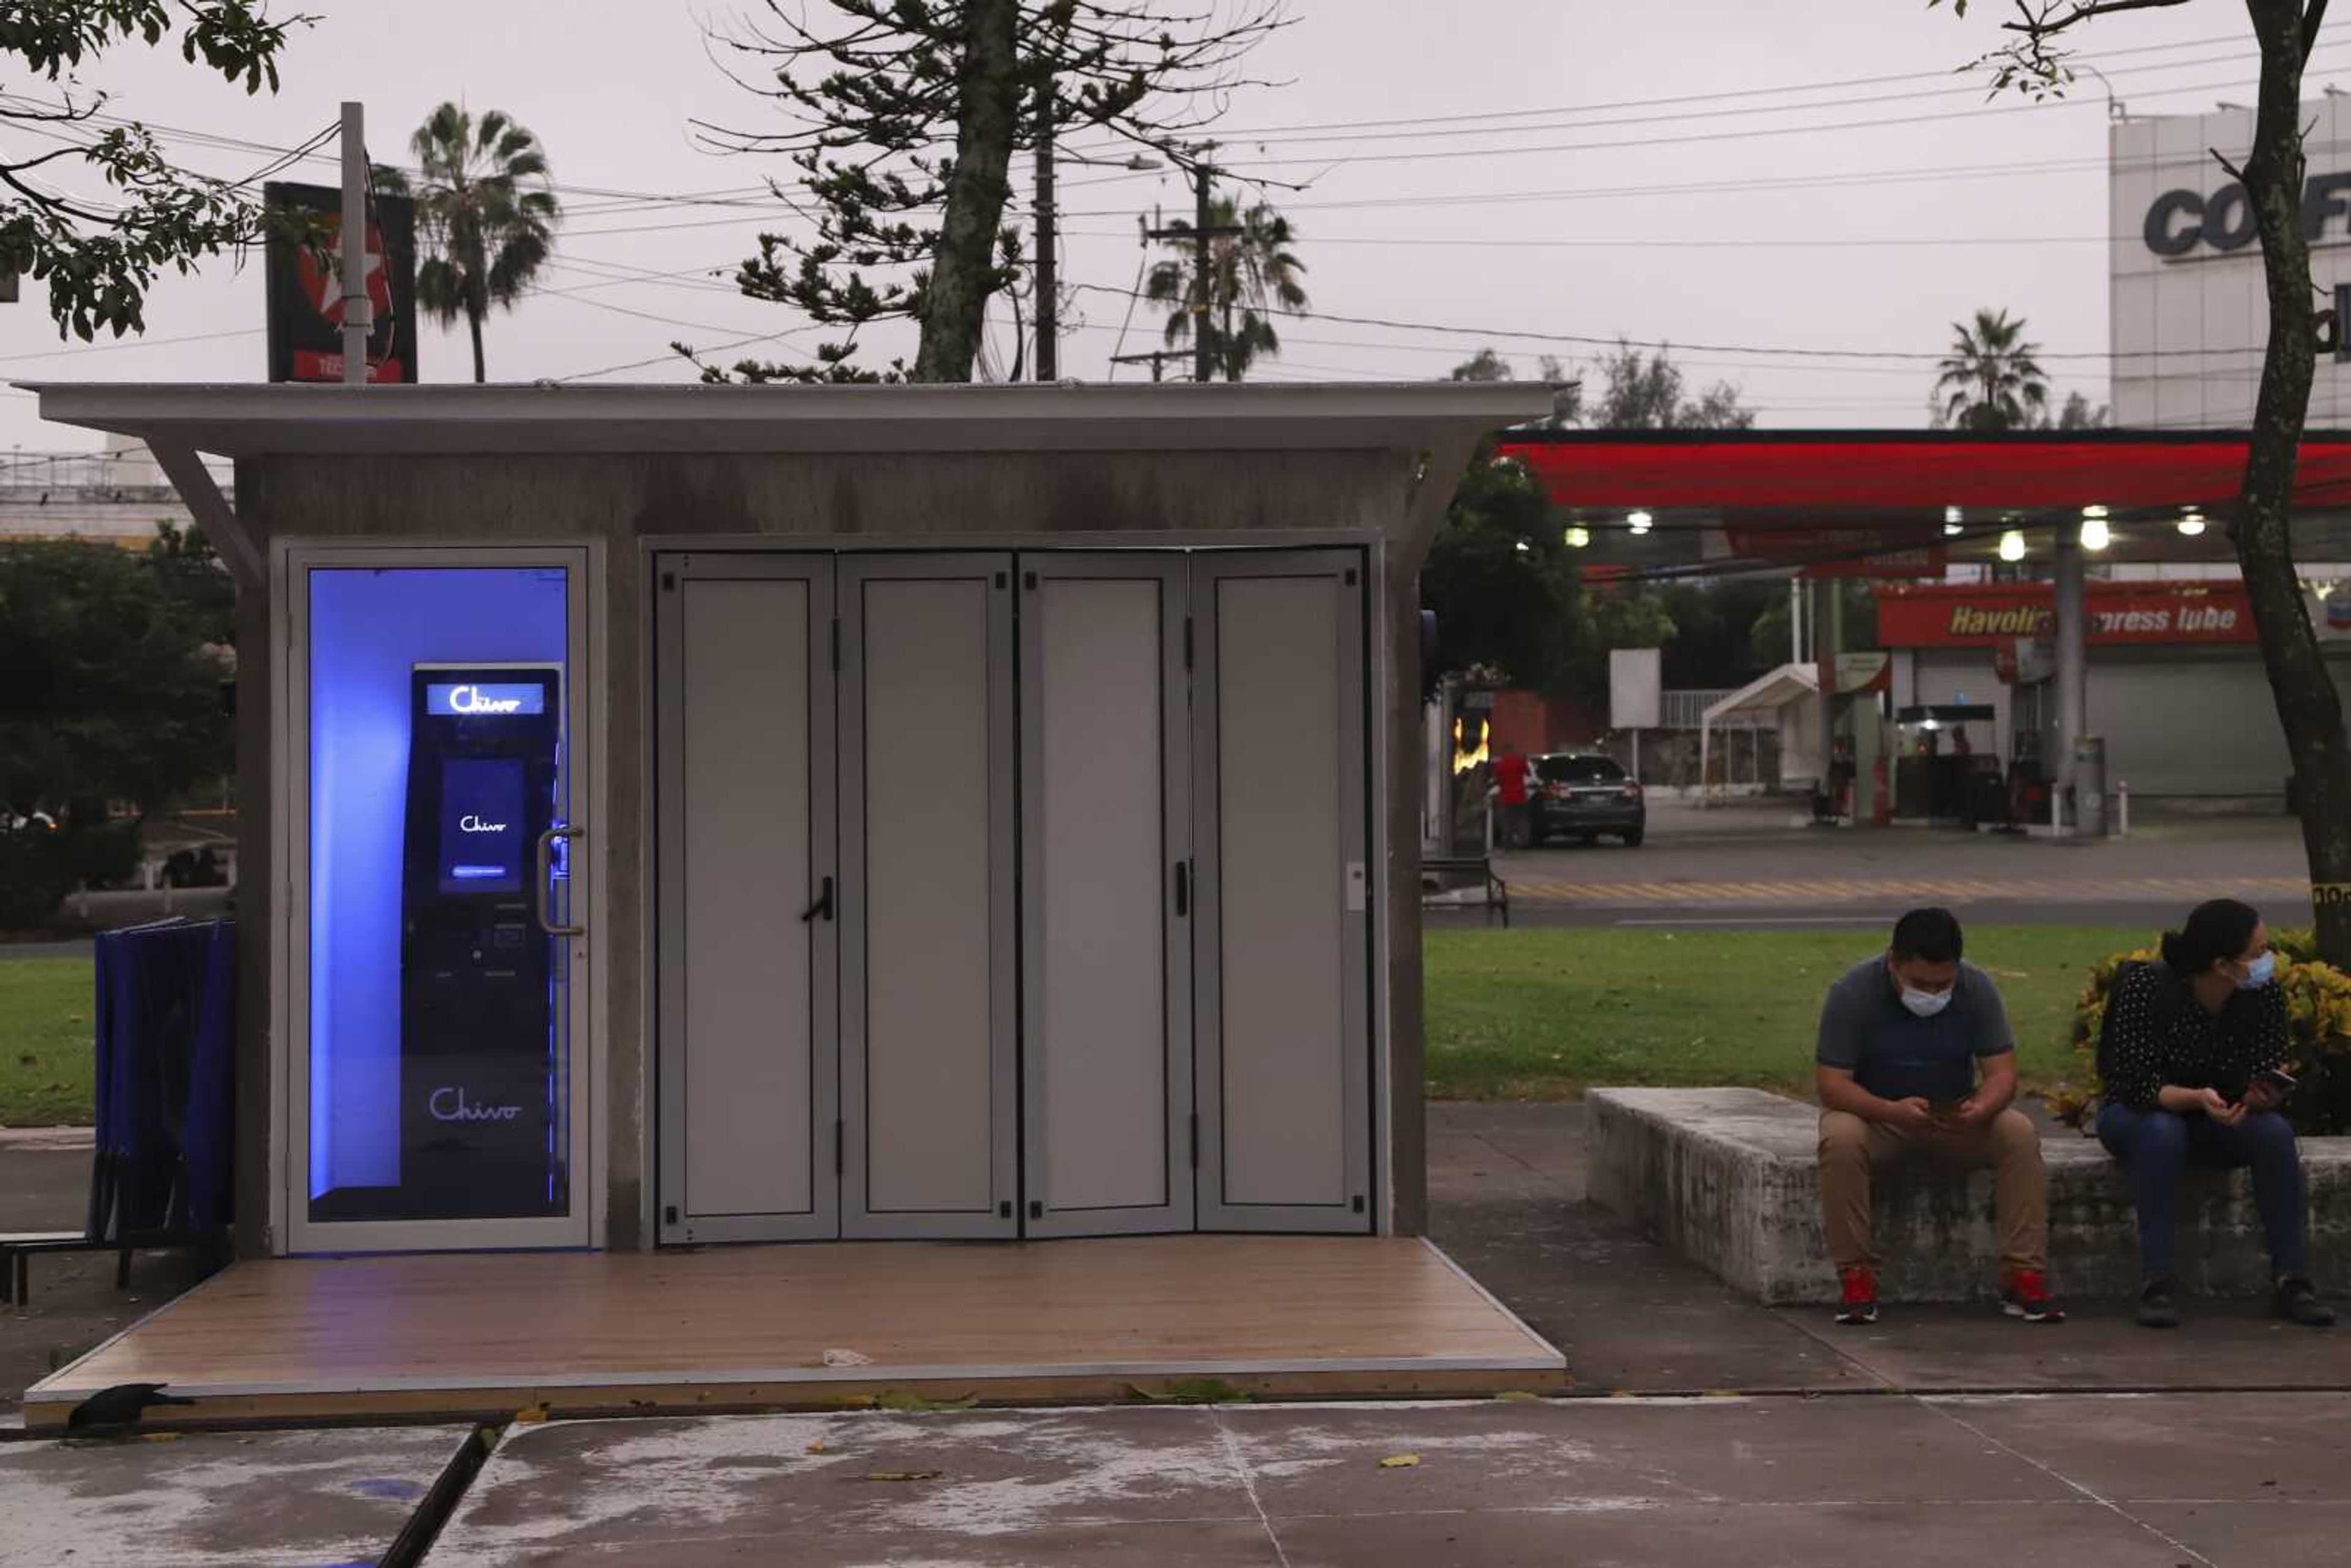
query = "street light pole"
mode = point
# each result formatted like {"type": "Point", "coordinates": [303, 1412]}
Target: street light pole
{"type": "Point", "coordinates": [356, 322]}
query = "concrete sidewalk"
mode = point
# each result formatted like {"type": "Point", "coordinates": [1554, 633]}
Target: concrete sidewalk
{"type": "Point", "coordinates": [1883, 1442]}
{"type": "Point", "coordinates": [1507, 1199]}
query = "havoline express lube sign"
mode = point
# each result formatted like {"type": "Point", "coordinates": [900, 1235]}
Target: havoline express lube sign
{"type": "Point", "coordinates": [2185, 223]}
{"type": "Point", "coordinates": [305, 291]}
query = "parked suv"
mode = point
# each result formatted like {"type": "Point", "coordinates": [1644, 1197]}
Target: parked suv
{"type": "Point", "coordinates": [1584, 795]}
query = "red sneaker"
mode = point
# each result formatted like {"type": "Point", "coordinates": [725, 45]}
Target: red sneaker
{"type": "Point", "coordinates": [1859, 1304]}
{"type": "Point", "coordinates": [2024, 1294]}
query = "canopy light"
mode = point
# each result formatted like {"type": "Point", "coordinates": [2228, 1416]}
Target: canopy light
{"type": "Point", "coordinates": [1953, 531]}
{"type": "Point", "coordinates": [1577, 536]}
{"type": "Point", "coordinates": [1525, 548]}
{"type": "Point", "coordinates": [2096, 535]}
{"type": "Point", "coordinates": [1952, 516]}
{"type": "Point", "coordinates": [1638, 521]}
{"type": "Point", "coordinates": [2192, 525]}
{"type": "Point", "coordinates": [2090, 512]}
{"type": "Point", "coordinates": [2012, 545]}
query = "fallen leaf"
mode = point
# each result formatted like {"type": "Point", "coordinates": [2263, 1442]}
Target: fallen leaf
{"type": "Point", "coordinates": [158, 1437]}
{"type": "Point", "coordinates": [903, 1475]}
{"type": "Point", "coordinates": [531, 1415]}
{"type": "Point", "coordinates": [847, 1358]}
{"type": "Point", "coordinates": [1400, 1461]}
{"type": "Point", "coordinates": [818, 1447]}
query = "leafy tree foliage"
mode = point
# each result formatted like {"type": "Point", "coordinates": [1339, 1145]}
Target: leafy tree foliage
{"type": "Point", "coordinates": [486, 210]}
{"type": "Point", "coordinates": [904, 116]}
{"type": "Point", "coordinates": [101, 255]}
{"type": "Point", "coordinates": [115, 661]}
{"type": "Point", "coordinates": [1252, 275]}
{"type": "Point", "coordinates": [1991, 379]}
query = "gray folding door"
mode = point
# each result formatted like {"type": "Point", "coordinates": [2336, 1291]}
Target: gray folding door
{"type": "Point", "coordinates": [1106, 826]}
{"type": "Point", "coordinates": [1281, 931]}
{"type": "Point", "coordinates": [928, 1098]}
{"type": "Point", "coordinates": [745, 937]}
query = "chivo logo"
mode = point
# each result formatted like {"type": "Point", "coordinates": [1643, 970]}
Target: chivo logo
{"type": "Point", "coordinates": [469, 699]}
{"type": "Point", "coordinates": [470, 823]}
{"type": "Point", "coordinates": [448, 1103]}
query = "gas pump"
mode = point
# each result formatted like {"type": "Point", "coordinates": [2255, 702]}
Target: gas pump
{"type": "Point", "coordinates": [480, 974]}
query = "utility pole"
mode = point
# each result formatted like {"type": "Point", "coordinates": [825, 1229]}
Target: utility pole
{"type": "Point", "coordinates": [1203, 230]}
{"type": "Point", "coordinates": [1048, 315]}
{"type": "Point", "coordinates": [357, 314]}
{"type": "Point", "coordinates": [1203, 174]}
{"type": "Point", "coordinates": [1157, 359]}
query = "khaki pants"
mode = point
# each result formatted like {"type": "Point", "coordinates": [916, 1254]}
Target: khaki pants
{"type": "Point", "coordinates": [1853, 1150]}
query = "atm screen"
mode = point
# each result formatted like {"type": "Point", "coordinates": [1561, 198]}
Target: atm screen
{"type": "Point", "coordinates": [482, 830]}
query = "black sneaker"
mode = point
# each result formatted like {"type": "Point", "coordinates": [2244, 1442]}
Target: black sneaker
{"type": "Point", "coordinates": [2155, 1308]}
{"type": "Point", "coordinates": [2297, 1303]}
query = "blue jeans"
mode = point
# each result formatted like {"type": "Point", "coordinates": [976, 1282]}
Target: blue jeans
{"type": "Point", "coordinates": [2156, 1145]}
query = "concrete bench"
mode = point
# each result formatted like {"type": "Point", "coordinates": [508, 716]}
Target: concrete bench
{"type": "Point", "coordinates": [1728, 1178]}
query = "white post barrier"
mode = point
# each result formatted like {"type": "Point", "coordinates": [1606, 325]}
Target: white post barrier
{"type": "Point", "coordinates": [2122, 809]}
{"type": "Point", "coordinates": [2056, 811]}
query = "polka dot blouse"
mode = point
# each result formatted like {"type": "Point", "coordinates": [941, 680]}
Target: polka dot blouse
{"type": "Point", "coordinates": [2157, 1033]}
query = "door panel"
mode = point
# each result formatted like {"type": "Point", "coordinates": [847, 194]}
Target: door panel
{"type": "Point", "coordinates": [928, 811]}
{"type": "Point", "coordinates": [1106, 823]}
{"type": "Point", "coordinates": [748, 996]}
{"type": "Point", "coordinates": [1283, 923]}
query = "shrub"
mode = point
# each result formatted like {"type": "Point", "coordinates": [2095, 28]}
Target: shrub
{"type": "Point", "coordinates": [2318, 1026]}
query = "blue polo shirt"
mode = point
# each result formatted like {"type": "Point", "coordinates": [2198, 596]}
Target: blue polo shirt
{"type": "Point", "coordinates": [1896, 1054]}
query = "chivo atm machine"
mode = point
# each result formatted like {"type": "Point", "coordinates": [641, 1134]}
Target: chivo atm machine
{"type": "Point", "coordinates": [481, 1103]}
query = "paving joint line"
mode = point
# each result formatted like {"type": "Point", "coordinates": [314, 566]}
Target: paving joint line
{"type": "Point", "coordinates": [1239, 1462]}
{"type": "Point", "coordinates": [2062, 1478]}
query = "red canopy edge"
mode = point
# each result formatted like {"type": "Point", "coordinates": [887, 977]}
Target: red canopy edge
{"type": "Point", "coordinates": [1811, 471]}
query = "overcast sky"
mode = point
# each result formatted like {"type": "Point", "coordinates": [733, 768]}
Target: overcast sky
{"type": "Point", "coordinates": [1799, 175]}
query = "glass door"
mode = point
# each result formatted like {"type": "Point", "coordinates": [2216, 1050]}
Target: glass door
{"type": "Point", "coordinates": [438, 950]}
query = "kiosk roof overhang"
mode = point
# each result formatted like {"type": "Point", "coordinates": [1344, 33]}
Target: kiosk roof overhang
{"type": "Point", "coordinates": [248, 420]}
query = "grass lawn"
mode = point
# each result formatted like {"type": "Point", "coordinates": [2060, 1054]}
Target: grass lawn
{"type": "Point", "coordinates": [48, 1043]}
{"type": "Point", "coordinates": [1541, 1014]}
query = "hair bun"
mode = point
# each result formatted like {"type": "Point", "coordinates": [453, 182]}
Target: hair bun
{"type": "Point", "coordinates": [2179, 957]}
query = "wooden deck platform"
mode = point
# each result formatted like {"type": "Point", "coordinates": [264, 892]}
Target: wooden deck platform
{"type": "Point", "coordinates": [476, 1334]}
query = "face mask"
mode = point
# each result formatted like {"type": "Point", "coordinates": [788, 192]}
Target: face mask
{"type": "Point", "coordinates": [2260, 972]}
{"type": "Point", "coordinates": [1926, 1004]}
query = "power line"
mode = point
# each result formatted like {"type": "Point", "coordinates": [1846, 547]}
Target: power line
{"type": "Point", "coordinates": [1587, 339]}
{"type": "Point", "coordinates": [1749, 134]}
{"type": "Point", "coordinates": [1244, 135]}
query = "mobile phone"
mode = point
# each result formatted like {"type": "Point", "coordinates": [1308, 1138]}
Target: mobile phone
{"type": "Point", "coordinates": [2277, 1078]}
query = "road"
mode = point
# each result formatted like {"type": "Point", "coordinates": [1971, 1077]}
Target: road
{"type": "Point", "coordinates": [1750, 867]}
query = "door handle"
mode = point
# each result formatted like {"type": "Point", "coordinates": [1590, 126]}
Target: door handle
{"type": "Point", "coordinates": [546, 875]}
{"type": "Point", "coordinates": [1183, 888]}
{"type": "Point", "coordinates": [823, 905]}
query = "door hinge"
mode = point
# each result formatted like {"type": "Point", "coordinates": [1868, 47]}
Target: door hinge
{"type": "Point", "coordinates": [1004, 1209]}
{"type": "Point", "coordinates": [1350, 577]}
{"type": "Point", "coordinates": [669, 582]}
{"type": "Point", "coordinates": [836, 641]}
{"type": "Point", "coordinates": [1196, 1140]}
{"type": "Point", "coordinates": [840, 1140]}
{"type": "Point", "coordinates": [1028, 581]}
{"type": "Point", "coordinates": [669, 1215]}
{"type": "Point", "coordinates": [999, 582]}
{"type": "Point", "coordinates": [1187, 642]}
{"type": "Point", "coordinates": [1036, 1209]}
{"type": "Point", "coordinates": [1359, 1203]}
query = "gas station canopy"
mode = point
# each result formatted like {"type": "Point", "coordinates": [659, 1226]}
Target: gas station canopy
{"type": "Point", "coordinates": [1890, 502]}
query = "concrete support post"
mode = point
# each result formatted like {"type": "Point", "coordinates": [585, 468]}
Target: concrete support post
{"type": "Point", "coordinates": [2073, 654]}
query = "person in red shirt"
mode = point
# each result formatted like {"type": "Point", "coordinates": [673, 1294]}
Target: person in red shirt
{"type": "Point", "coordinates": [1510, 771]}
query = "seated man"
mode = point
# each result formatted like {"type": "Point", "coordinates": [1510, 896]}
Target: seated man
{"type": "Point", "coordinates": [1916, 1060]}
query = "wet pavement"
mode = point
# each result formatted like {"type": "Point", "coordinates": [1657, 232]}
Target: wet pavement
{"type": "Point", "coordinates": [1704, 1429]}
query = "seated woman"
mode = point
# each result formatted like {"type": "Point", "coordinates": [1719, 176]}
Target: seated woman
{"type": "Point", "coordinates": [2186, 1053]}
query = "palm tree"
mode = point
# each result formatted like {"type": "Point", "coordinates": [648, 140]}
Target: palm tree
{"type": "Point", "coordinates": [1251, 274]}
{"type": "Point", "coordinates": [1990, 381]}
{"type": "Point", "coordinates": [485, 212]}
